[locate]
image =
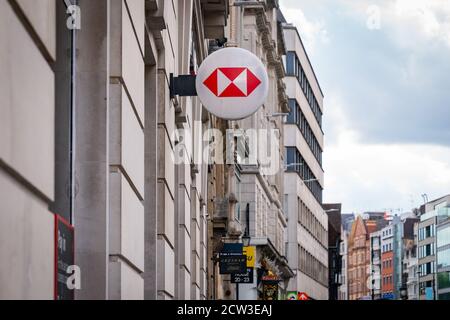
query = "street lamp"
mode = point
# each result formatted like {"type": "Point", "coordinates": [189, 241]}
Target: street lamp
{"type": "Point", "coordinates": [373, 284]}
{"type": "Point", "coordinates": [277, 114]}
{"type": "Point", "coordinates": [403, 293]}
{"type": "Point", "coordinates": [331, 210]}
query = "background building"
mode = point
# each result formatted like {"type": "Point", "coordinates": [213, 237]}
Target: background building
{"type": "Point", "coordinates": [405, 245]}
{"type": "Point", "coordinates": [427, 250]}
{"type": "Point", "coordinates": [307, 243]}
{"type": "Point", "coordinates": [387, 263]}
{"type": "Point", "coordinates": [346, 225]}
{"type": "Point", "coordinates": [358, 260]}
{"type": "Point", "coordinates": [375, 265]}
{"type": "Point", "coordinates": [443, 249]}
{"type": "Point", "coordinates": [359, 254]}
{"type": "Point", "coordinates": [334, 244]}
{"type": "Point", "coordinates": [411, 265]}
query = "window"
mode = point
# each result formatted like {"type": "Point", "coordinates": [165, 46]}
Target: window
{"type": "Point", "coordinates": [443, 237]}
{"type": "Point", "coordinates": [295, 69]}
{"type": "Point", "coordinates": [303, 170]}
{"type": "Point", "coordinates": [443, 280]}
{"type": "Point", "coordinates": [443, 258]}
{"type": "Point", "coordinates": [426, 268]}
{"type": "Point", "coordinates": [426, 250]}
{"type": "Point", "coordinates": [426, 232]}
{"type": "Point", "coordinates": [309, 265]}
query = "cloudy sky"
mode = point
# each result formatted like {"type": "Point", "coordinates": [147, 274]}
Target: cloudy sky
{"type": "Point", "coordinates": [384, 67]}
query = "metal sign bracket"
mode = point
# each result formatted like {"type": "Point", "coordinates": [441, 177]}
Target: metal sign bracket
{"type": "Point", "coordinates": [183, 86]}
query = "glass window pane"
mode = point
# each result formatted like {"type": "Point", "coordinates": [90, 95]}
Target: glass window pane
{"type": "Point", "coordinates": [443, 237]}
{"type": "Point", "coordinates": [290, 60]}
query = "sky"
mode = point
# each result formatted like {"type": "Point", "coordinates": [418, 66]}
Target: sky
{"type": "Point", "coordinates": [384, 68]}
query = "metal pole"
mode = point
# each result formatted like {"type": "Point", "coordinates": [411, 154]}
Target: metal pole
{"type": "Point", "coordinates": [434, 284]}
{"type": "Point", "coordinates": [214, 279]}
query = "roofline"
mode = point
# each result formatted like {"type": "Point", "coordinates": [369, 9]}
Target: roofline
{"type": "Point", "coordinates": [289, 26]}
{"type": "Point", "coordinates": [435, 200]}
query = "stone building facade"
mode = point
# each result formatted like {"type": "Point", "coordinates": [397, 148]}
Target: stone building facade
{"type": "Point", "coordinates": [258, 190]}
{"type": "Point", "coordinates": [28, 54]}
{"type": "Point", "coordinates": [91, 135]}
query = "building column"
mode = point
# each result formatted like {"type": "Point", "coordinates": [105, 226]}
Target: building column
{"type": "Point", "coordinates": [92, 168]}
{"type": "Point", "coordinates": [126, 149]}
{"type": "Point", "coordinates": [151, 184]}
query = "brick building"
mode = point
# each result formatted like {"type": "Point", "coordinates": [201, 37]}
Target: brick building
{"type": "Point", "coordinates": [359, 258]}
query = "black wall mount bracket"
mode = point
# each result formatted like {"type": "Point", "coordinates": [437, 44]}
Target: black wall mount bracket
{"type": "Point", "coordinates": [183, 86]}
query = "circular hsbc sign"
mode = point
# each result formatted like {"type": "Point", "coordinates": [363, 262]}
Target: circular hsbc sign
{"type": "Point", "coordinates": [232, 83]}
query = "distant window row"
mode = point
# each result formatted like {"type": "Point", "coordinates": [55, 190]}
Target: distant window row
{"type": "Point", "coordinates": [426, 250]}
{"type": "Point", "coordinates": [388, 280]}
{"type": "Point", "coordinates": [294, 68]}
{"type": "Point", "coordinates": [387, 232]}
{"type": "Point", "coordinates": [387, 264]}
{"type": "Point", "coordinates": [312, 267]}
{"type": "Point", "coordinates": [309, 221]}
{"type": "Point", "coordinates": [427, 268]}
{"type": "Point", "coordinates": [386, 247]}
{"type": "Point", "coordinates": [297, 117]}
{"type": "Point", "coordinates": [427, 232]}
{"type": "Point", "coordinates": [295, 162]}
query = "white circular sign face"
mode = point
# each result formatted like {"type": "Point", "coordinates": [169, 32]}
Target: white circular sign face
{"type": "Point", "coordinates": [232, 83]}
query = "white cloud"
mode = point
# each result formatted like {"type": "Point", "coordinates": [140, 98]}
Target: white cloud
{"type": "Point", "coordinates": [311, 32]}
{"type": "Point", "coordinates": [376, 176]}
{"type": "Point", "coordinates": [410, 22]}
{"type": "Point", "coordinates": [415, 21]}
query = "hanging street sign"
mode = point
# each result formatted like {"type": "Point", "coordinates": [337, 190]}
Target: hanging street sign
{"type": "Point", "coordinates": [270, 290]}
{"type": "Point", "coordinates": [246, 277]}
{"type": "Point", "coordinates": [250, 253]}
{"type": "Point", "coordinates": [231, 259]}
{"type": "Point", "coordinates": [230, 248]}
{"type": "Point", "coordinates": [232, 83]}
{"type": "Point", "coordinates": [230, 264]}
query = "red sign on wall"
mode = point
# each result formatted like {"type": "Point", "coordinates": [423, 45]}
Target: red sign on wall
{"type": "Point", "coordinates": [302, 296]}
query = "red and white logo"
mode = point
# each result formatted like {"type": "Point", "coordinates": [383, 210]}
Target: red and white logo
{"type": "Point", "coordinates": [232, 82]}
{"type": "Point", "coordinates": [302, 296]}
